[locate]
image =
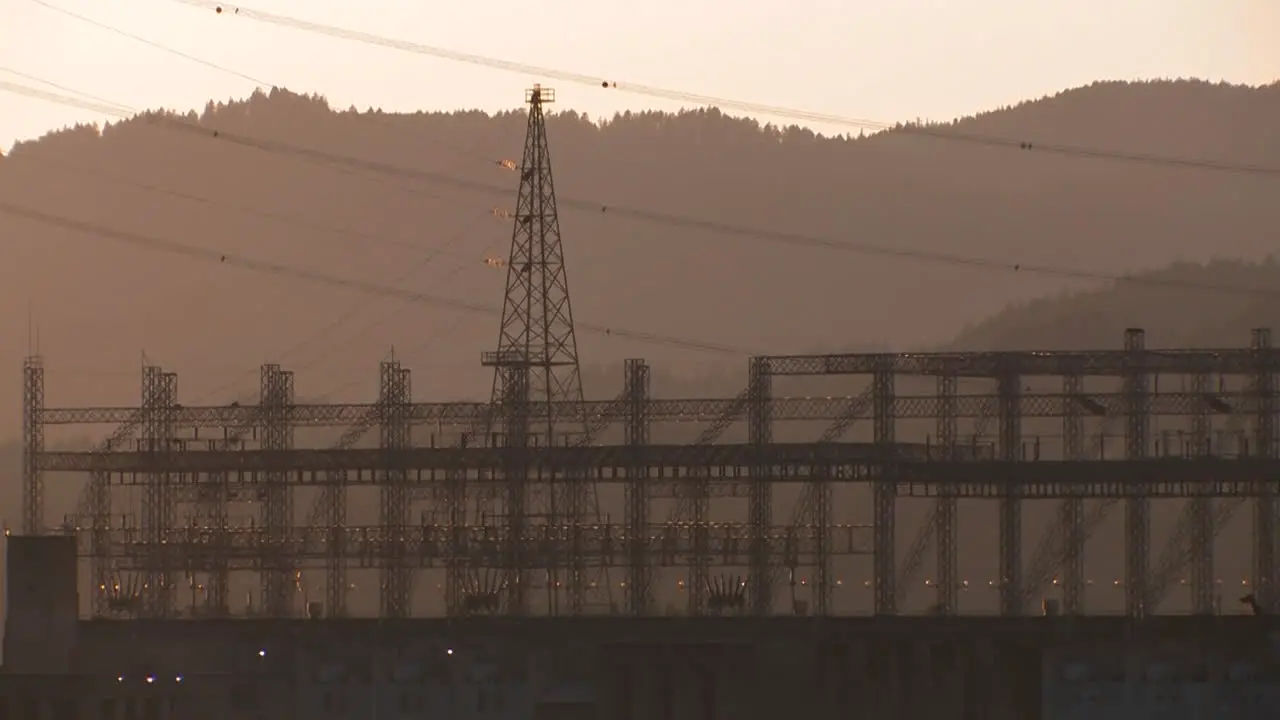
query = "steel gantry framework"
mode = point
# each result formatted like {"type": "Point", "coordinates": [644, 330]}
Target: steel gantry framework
{"type": "Point", "coordinates": [504, 498]}
{"type": "Point", "coordinates": [455, 474]}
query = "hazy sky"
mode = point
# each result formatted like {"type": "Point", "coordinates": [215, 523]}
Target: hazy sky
{"type": "Point", "coordinates": [889, 60]}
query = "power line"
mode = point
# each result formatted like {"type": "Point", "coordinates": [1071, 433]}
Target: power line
{"type": "Point", "coordinates": [151, 43]}
{"type": "Point", "coordinates": [257, 82]}
{"type": "Point", "coordinates": [64, 88]}
{"type": "Point", "coordinates": [241, 11]}
{"type": "Point", "coordinates": [666, 219]}
{"type": "Point", "coordinates": [354, 234]}
{"type": "Point", "coordinates": [195, 198]}
{"type": "Point", "coordinates": [355, 309]}
{"type": "Point", "coordinates": [150, 242]}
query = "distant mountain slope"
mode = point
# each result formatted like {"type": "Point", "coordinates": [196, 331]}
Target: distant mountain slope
{"type": "Point", "coordinates": [98, 303]}
{"type": "Point", "coordinates": [1213, 304]}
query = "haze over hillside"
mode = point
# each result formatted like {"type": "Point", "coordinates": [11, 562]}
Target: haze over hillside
{"type": "Point", "coordinates": [99, 302]}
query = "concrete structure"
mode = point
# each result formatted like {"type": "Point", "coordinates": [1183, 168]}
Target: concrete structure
{"type": "Point", "coordinates": [660, 668]}
{"type": "Point", "coordinates": [98, 696]}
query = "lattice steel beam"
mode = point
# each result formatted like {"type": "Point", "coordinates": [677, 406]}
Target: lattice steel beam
{"type": "Point", "coordinates": [639, 575]}
{"type": "Point", "coordinates": [884, 491]}
{"type": "Point", "coordinates": [1055, 363]}
{"type": "Point", "coordinates": [159, 398]}
{"type": "Point", "coordinates": [1137, 520]}
{"type": "Point", "coordinates": [426, 544]}
{"type": "Point", "coordinates": [760, 504]}
{"type": "Point", "coordinates": [275, 396]}
{"type": "Point", "coordinates": [1203, 530]}
{"type": "Point", "coordinates": [468, 414]}
{"type": "Point", "coordinates": [32, 445]}
{"type": "Point", "coordinates": [1010, 387]}
{"type": "Point", "coordinates": [1072, 510]}
{"type": "Point", "coordinates": [394, 505]}
{"type": "Point", "coordinates": [1265, 572]}
{"type": "Point", "coordinates": [946, 523]}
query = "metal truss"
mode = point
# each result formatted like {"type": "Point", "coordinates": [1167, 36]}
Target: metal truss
{"type": "Point", "coordinates": [428, 545]}
{"type": "Point", "coordinates": [467, 414]}
{"type": "Point", "coordinates": [502, 472]}
{"type": "Point", "coordinates": [1051, 363]}
{"type": "Point", "coordinates": [32, 445]}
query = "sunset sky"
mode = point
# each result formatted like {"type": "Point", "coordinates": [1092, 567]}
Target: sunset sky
{"type": "Point", "coordinates": [889, 61]}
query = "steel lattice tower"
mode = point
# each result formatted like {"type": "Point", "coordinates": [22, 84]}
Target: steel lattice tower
{"type": "Point", "coordinates": [536, 362]}
{"type": "Point", "coordinates": [32, 445]}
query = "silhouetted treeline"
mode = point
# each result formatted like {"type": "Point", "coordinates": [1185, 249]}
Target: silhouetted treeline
{"type": "Point", "coordinates": [99, 302]}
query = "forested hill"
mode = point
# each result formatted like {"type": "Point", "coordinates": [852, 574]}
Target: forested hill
{"type": "Point", "coordinates": [1206, 305]}
{"type": "Point", "coordinates": [98, 302]}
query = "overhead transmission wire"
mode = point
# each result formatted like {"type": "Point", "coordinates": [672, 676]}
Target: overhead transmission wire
{"type": "Point", "coordinates": [123, 110]}
{"type": "Point", "coordinates": [172, 247]}
{"type": "Point", "coordinates": [241, 11]}
{"type": "Point", "coordinates": [258, 82]}
{"type": "Point", "coordinates": [355, 309]}
{"type": "Point", "coordinates": [653, 217]}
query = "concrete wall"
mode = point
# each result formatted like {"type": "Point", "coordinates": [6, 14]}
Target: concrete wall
{"type": "Point", "coordinates": [97, 697]}
{"type": "Point", "coordinates": [1144, 679]}
{"type": "Point", "coordinates": [694, 669]}
{"type": "Point", "coordinates": [41, 603]}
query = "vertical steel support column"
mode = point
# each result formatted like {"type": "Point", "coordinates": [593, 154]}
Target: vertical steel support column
{"type": "Point", "coordinates": [885, 489]}
{"type": "Point", "coordinates": [393, 411]}
{"type": "Point", "coordinates": [946, 531]}
{"type": "Point", "coordinates": [150, 442]}
{"type": "Point", "coordinates": [216, 501]}
{"type": "Point", "coordinates": [334, 498]}
{"type": "Point", "coordinates": [1073, 507]}
{"type": "Point", "coordinates": [699, 570]}
{"type": "Point", "coordinates": [159, 395]}
{"type": "Point", "coordinates": [1009, 390]}
{"type": "Point", "coordinates": [515, 416]}
{"type": "Point", "coordinates": [277, 582]}
{"type": "Point", "coordinates": [1202, 530]}
{"type": "Point", "coordinates": [760, 503]}
{"type": "Point", "coordinates": [639, 575]}
{"type": "Point", "coordinates": [457, 565]}
{"type": "Point", "coordinates": [100, 547]}
{"type": "Point", "coordinates": [1264, 509]}
{"type": "Point", "coordinates": [1137, 510]}
{"type": "Point", "coordinates": [32, 446]}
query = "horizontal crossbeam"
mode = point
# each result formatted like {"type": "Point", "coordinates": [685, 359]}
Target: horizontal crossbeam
{"type": "Point", "coordinates": [686, 410]}
{"type": "Point", "coordinates": [670, 466]}
{"type": "Point", "coordinates": [672, 544]}
{"type": "Point", "coordinates": [1235, 361]}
